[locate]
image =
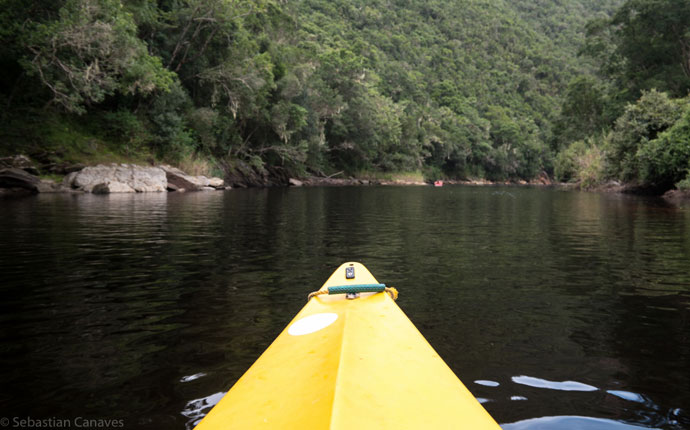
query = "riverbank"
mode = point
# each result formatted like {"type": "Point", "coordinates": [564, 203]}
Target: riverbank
{"type": "Point", "coordinates": [353, 181]}
{"type": "Point", "coordinates": [20, 176]}
{"type": "Point", "coordinates": [614, 187]}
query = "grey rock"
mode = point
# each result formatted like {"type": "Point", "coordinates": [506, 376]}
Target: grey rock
{"type": "Point", "coordinates": [68, 180]}
{"type": "Point", "coordinates": [112, 187]}
{"type": "Point", "coordinates": [49, 186]}
{"type": "Point", "coordinates": [181, 179]}
{"type": "Point", "coordinates": [216, 183]}
{"type": "Point", "coordinates": [100, 189]}
{"type": "Point", "coordinates": [19, 162]}
{"type": "Point", "coordinates": [62, 168]}
{"type": "Point", "coordinates": [66, 168]}
{"type": "Point", "coordinates": [118, 178]}
{"type": "Point", "coordinates": [18, 178]}
{"type": "Point", "coordinates": [295, 182]}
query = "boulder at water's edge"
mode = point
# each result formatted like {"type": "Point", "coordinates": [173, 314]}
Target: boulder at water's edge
{"type": "Point", "coordinates": [118, 178]}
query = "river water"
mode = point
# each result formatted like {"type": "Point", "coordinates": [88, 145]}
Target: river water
{"type": "Point", "coordinates": [557, 309]}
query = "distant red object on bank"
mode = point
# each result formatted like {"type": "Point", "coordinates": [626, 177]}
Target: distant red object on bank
{"type": "Point", "coordinates": [438, 183]}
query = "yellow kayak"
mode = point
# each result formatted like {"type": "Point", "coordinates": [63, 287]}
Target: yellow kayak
{"type": "Point", "coordinates": [350, 359]}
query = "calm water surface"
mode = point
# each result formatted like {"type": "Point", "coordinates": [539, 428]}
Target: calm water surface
{"type": "Point", "coordinates": [558, 310]}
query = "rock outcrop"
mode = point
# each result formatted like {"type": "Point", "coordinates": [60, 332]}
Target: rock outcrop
{"type": "Point", "coordinates": [18, 182]}
{"type": "Point", "coordinates": [181, 180]}
{"type": "Point", "coordinates": [19, 162]}
{"type": "Point", "coordinates": [216, 183]}
{"type": "Point", "coordinates": [18, 178]}
{"type": "Point", "coordinates": [112, 187]}
{"type": "Point", "coordinates": [118, 178]}
{"type": "Point", "coordinates": [677, 196]}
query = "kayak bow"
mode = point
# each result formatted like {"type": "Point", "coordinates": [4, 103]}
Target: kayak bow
{"type": "Point", "coordinates": [350, 359]}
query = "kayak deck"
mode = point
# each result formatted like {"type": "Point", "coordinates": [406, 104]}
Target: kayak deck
{"type": "Point", "coordinates": [349, 364]}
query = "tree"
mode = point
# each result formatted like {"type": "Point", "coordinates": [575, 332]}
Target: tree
{"type": "Point", "coordinates": [642, 123]}
{"type": "Point", "coordinates": [582, 111]}
{"type": "Point", "coordinates": [653, 36]}
{"type": "Point", "coordinates": [90, 52]}
{"type": "Point", "coordinates": [666, 159]}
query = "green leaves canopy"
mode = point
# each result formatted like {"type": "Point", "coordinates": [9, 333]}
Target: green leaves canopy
{"type": "Point", "coordinates": [91, 51]}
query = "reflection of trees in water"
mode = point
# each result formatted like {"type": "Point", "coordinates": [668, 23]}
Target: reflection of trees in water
{"type": "Point", "coordinates": [652, 339]}
{"type": "Point", "coordinates": [632, 258]}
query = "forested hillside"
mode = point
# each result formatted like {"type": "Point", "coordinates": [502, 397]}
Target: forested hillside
{"type": "Point", "coordinates": [452, 88]}
{"type": "Point", "coordinates": [477, 84]}
{"type": "Point", "coordinates": [630, 120]}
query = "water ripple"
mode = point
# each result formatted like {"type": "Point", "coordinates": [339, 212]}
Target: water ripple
{"type": "Point", "coordinates": [570, 423]}
{"type": "Point", "coordinates": [553, 385]}
{"type": "Point", "coordinates": [117, 304]}
{"type": "Point", "coordinates": [487, 383]}
{"type": "Point", "coordinates": [627, 395]}
{"type": "Point", "coordinates": [196, 409]}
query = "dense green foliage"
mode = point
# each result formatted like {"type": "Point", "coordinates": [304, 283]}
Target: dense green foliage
{"type": "Point", "coordinates": [481, 88]}
{"type": "Point", "coordinates": [634, 132]}
{"type": "Point", "coordinates": [582, 160]}
{"type": "Point", "coordinates": [635, 110]}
